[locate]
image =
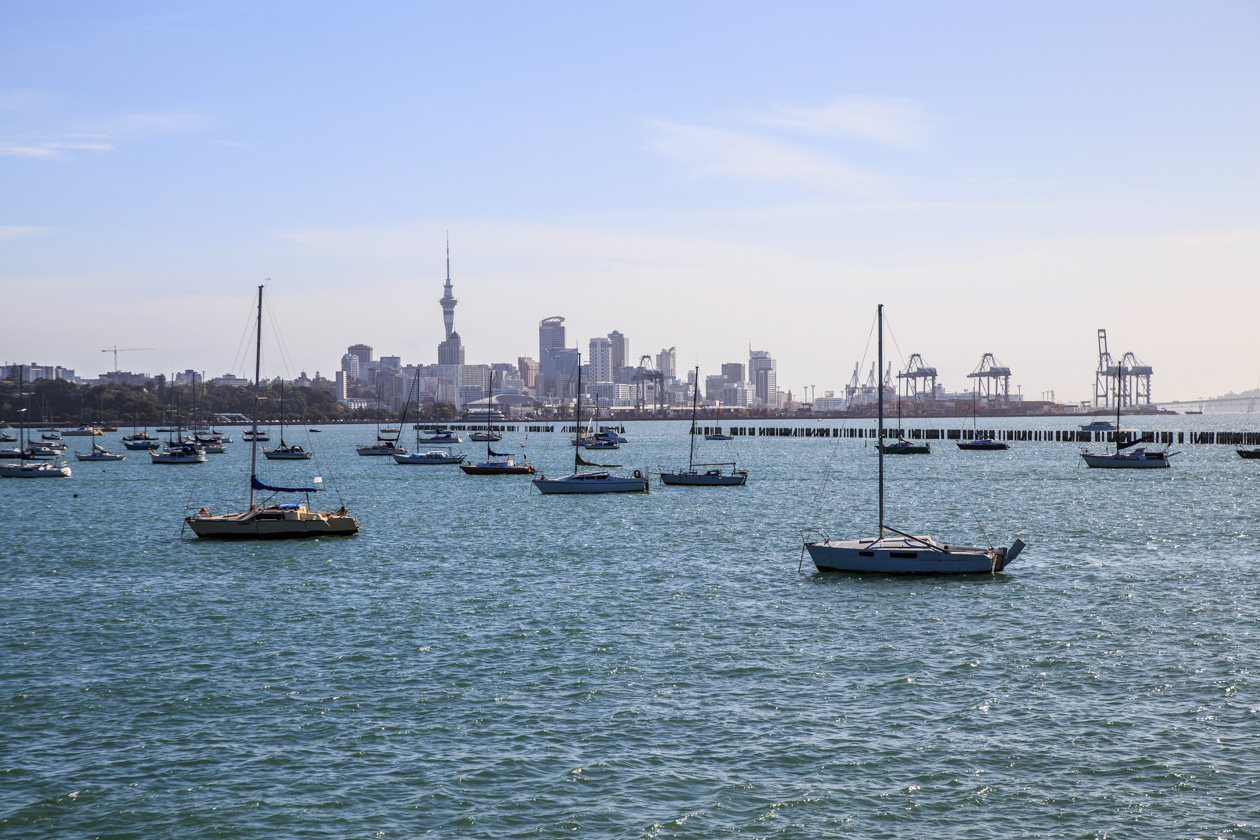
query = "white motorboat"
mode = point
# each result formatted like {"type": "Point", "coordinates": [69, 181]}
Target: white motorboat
{"type": "Point", "coordinates": [894, 552]}
{"type": "Point", "coordinates": [703, 475]}
{"type": "Point", "coordinates": [277, 521]}
{"type": "Point", "coordinates": [83, 431]}
{"type": "Point", "coordinates": [579, 482]}
{"type": "Point", "coordinates": [1099, 426]}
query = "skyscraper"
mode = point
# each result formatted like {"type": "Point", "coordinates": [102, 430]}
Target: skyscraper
{"type": "Point", "coordinates": [364, 354]}
{"type": "Point", "coordinates": [733, 372]}
{"type": "Point", "coordinates": [763, 376]}
{"type": "Point", "coordinates": [620, 350]}
{"type": "Point", "coordinates": [600, 360]}
{"type": "Point", "coordinates": [450, 351]}
{"type": "Point", "coordinates": [550, 342]}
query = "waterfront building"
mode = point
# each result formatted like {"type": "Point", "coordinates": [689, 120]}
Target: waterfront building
{"type": "Point", "coordinates": [230, 379]}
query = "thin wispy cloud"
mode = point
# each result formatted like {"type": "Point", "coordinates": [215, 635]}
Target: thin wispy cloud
{"type": "Point", "coordinates": [10, 232]}
{"type": "Point", "coordinates": [51, 150]}
{"type": "Point", "coordinates": [894, 122]}
{"type": "Point", "coordinates": [721, 152]}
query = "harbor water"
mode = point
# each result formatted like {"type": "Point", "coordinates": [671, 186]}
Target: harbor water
{"type": "Point", "coordinates": [484, 661]}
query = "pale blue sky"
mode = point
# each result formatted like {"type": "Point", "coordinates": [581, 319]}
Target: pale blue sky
{"type": "Point", "coordinates": [1006, 177]}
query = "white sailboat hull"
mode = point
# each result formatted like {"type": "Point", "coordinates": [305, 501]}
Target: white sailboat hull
{"type": "Point", "coordinates": [592, 482]}
{"type": "Point", "coordinates": [1126, 461]}
{"type": "Point", "coordinates": [40, 469]}
{"type": "Point", "coordinates": [904, 556]}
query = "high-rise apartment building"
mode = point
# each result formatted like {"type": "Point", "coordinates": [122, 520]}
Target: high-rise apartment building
{"type": "Point", "coordinates": [350, 365]}
{"type": "Point", "coordinates": [600, 360]}
{"type": "Point", "coordinates": [620, 350]}
{"type": "Point", "coordinates": [667, 364]}
{"type": "Point", "coordinates": [364, 354]}
{"type": "Point", "coordinates": [733, 372]}
{"type": "Point", "coordinates": [528, 369]}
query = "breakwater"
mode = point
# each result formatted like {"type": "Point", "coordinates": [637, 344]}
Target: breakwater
{"type": "Point", "coordinates": [1011, 435]}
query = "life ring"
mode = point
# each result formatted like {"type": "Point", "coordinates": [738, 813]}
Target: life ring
{"type": "Point", "coordinates": [638, 474]}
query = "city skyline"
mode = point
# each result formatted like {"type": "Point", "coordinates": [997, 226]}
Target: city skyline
{"type": "Point", "coordinates": [1006, 179]}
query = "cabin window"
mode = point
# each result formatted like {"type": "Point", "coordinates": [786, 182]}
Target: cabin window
{"type": "Point", "coordinates": [904, 555]}
{"type": "Point", "coordinates": [866, 554]}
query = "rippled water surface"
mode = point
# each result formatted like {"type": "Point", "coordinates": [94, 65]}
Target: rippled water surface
{"type": "Point", "coordinates": [484, 661]}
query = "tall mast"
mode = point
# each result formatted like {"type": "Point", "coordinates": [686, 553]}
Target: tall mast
{"type": "Point", "coordinates": [253, 443]}
{"type": "Point", "coordinates": [577, 417]}
{"type": "Point", "coordinates": [695, 394]}
{"type": "Point", "coordinates": [880, 444]}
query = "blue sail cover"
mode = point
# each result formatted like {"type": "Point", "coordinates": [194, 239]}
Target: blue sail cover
{"type": "Point", "coordinates": [499, 454]}
{"type": "Point", "coordinates": [258, 485]}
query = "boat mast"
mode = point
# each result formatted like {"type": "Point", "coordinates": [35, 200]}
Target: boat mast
{"type": "Point", "coordinates": [880, 444]}
{"type": "Point", "coordinates": [253, 443]}
{"type": "Point", "coordinates": [577, 418]}
{"type": "Point", "coordinates": [695, 394]}
{"type": "Point", "coordinates": [488, 405]}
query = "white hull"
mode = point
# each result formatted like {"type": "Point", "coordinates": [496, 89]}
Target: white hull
{"type": "Point", "coordinates": [164, 458]}
{"type": "Point", "coordinates": [289, 455]}
{"type": "Point", "coordinates": [99, 456]}
{"type": "Point", "coordinates": [38, 470]}
{"type": "Point", "coordinates": [380, 450]}
{"type": "Point", "coordinates": [1139, 460]}
{"type": "Point", "coordinates": [592, 482]}
{"type": "Point", "coordinates": [899, 555]}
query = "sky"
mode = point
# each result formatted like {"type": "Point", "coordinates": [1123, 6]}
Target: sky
{"type": "Point", "coordinates": [1005, 178]}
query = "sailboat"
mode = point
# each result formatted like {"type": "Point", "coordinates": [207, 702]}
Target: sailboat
{"type": "Point", "coordinates": [26, 466]}
{"type": "Point", "coordinates": [99, 453]}
{"type": "Point", "coordinates": [178, 450]}
{"type": "Point", "coordinates": [977, 443]}
{"type": "Point", "coordinates": [896, 552]}
{"type": "Point", "coordinates": [902, 446]}
{"type": "Point", "coordinates": [717, 433]}
{"type": "Point", "coordinates": [284, 452]}
{"type": "Point", "coordinates": [271, 521]}
{"type": "Point", "coordinates": [600, 481]}
{"type": "Point", "coordinates": [496, 463]}
{"type": "Point", "coordinates": [712, 474]}
{"type": "Point", "coordinates": [1128, 456]}
{"type": "Point", "coordinates": [428, 456]}
{"type": "Point", "coordinates": [140, 440]}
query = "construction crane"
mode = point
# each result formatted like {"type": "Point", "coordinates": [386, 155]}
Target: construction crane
{"type": "Point", "coordinates": [1128, 381]}
{"type": "Point", "coordinates": [116, 350]}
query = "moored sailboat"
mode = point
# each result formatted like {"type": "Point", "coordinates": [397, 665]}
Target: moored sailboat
{"type": "Point", "coordinates": [895, 552]}
{"type": "Point", "coordinates": [1128, 455]}
{"type": "Point", "coordinates": [600, 481]}
{"type": "Point", "coordinates": [496, 463]}
{"type": "Point", "coordinates": [712, 474]}
{"type": "Point", "coordinates": [277, 521]}
{"type": "Point", "coordinates": [28, 466]}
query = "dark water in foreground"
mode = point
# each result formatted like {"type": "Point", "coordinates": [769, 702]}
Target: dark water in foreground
{"type": "Point", "coordinates": [483, 661]}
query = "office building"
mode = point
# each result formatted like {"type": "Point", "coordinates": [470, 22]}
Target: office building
{"type": "Point", "coordinates": [363, 353]}
{"type": "Point", "coordinates": [667, 363]}
{"type": "Point", "coordinates": [620, 350]}
{"type": "Point", "coordinates": [733, 372]}
{"type": "Point", "coordinates": [762, 375]}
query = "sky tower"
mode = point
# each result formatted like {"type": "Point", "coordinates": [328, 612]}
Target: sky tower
{"type": "Point", "coordinates": [448, 300]}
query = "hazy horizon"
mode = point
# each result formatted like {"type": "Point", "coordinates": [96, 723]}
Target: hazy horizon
{"type": "Point", "coordinates": [1004, 178]}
